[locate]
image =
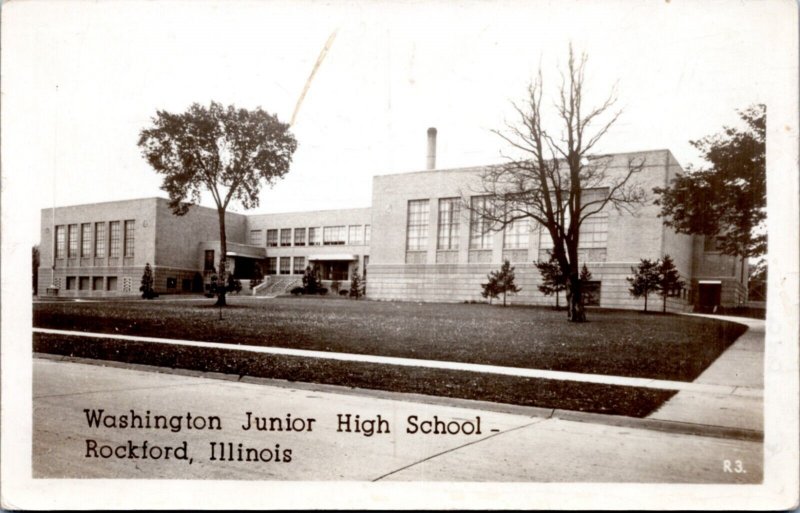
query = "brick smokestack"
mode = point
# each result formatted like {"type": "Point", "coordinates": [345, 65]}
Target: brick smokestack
{"type": "Point", "coordinates": [431, 148]}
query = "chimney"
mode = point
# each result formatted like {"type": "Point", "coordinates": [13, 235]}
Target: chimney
{"type": "Point", "coordinates": [431, 148]}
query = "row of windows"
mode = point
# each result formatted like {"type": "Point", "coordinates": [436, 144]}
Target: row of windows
{"type": "Point", "coordinates": [594, 230]}
{"type": "Point", "coordinates": [91, 283]}
{"type": "Point", "coordinates": [93, 242]}
{"type": "Point", "coordinates": [326, 236]}
{"type": "Point", "coordinates": [286, 265]}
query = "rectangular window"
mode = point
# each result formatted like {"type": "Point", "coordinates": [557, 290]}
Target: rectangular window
{"type": "Point", "coordinates": [72, 247]}
{"type": "Point", "coordinates": [60, 241]}
{"type": "Point", "coordinates": [449, 213]}
{"type": "Point", "coordinates": [272, 265]}
{"type": "Point", "coordinates": [286, 237]}
{"type": "Point", "coordinates": [111, 283]}
{"type": "Point", "coordinates": [299, 236]}
{"type": "Point", "coordinates": [354, 235]}
{"type": "Point", "coordinates": [71, 282]}
{"type": "Point", "coordinates": [83, 283]}
{"type": "Point", "coordinates": [286, 265]}
{"type": "Point", "coordinates": [272, 238]}
{"type": "Point", "coordinates": [208, 262]}
{"type": "Point", "coordinates": [299, 265]}
{"type": "Point", "coordinates": [480, 235]}
{"type": "Point", "coordinates": [114, 240]}
{"type": "Point", "coordinates": [367, 233]}
{"type": "Point", "coordinates": [128, 239]}
{"type": "Point", "coordinates": [86, 240]}
{"type": "Point", "coordinates": [334, 235]}
{"type": "Point", "coordinates": [314, 237]}
{"type": "Point", "coordinates": [255, 237]}
{"type": "Point", "coordinates": [97, 283]}
{"type": "Point", "coordinates": [417, 225]}
{"type": "Point", "coordinates": [99, 240]}
{"type": "Point", "coordinates": [516, 233]}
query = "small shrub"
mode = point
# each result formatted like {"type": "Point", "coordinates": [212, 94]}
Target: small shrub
{"type": "Point", "coordinates": [147, 283]}
{"type": "Point", "coordinates": [322, 291]}
{"type": "Point", "coordinates": [298, 291]}
{"type": "Point", "coordinates": [344, 292]}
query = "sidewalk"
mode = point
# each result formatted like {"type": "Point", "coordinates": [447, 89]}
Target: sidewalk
{"type": "Point", "coordinates": [740, 367]}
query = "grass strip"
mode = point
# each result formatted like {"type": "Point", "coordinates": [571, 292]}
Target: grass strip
{"type": "Point", "coordinates": [545, 393]}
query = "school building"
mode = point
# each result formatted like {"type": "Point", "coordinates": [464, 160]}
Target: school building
{"type": "Point", "coordinates": [417, 242]}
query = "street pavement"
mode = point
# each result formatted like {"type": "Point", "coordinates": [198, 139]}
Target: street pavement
{"type": "Point", "coordinates": [519, 444]}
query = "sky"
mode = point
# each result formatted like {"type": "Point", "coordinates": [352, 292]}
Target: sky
{"type": "Point", "coordinates": [81, 79]}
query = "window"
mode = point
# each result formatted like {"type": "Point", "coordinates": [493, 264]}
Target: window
{"type": "Point", "coordinates": [286, 237]}
{"type": "Point", "coordinates": [128, 239]}
{"type": "Point", "coordinates": [114, 241]}
{"type": "Point", "coordinates": [86, 240]}
{"type": "Point", "coordinates": [314, 237]}
{"type": "Point", "coordinates": [417, 225]}
{"type": "Point", "coordinates": [594, 231]}
{"type": "Point", "coordinates": [285, 264]}
{"type": "Point", "coordinates": [299, 236]}
{"type": "Point", "coordinates": [449, 211]}
{"type": "Point", "coordinates": [83, 283]}
{"type": "Point", "coordinates": [367, 233]}
{"type": "Point", "coordinates": [99, 240]}
{"type": "Point", "coordinates": [208, 263]}
{"type": "Point", "coordinates": [60, 241]}
{"type": "Point", "coordinates": [480, 236]}
{"type": "Point", "coordinates": [71, 282]}
{"type": "Point", "coordinates": [255, 237]}
{"type": "Point", "coordinates": [354, 234]}
{"type": "Point", "coordinates": [515, 235]}
{"type": "Point", "coordinates": [272, 265]}
{"type": "Point", "coordinates": [366, 264]}
{"type": "Point", "coordinates": [111, 283]}
{"type": "Point", "coordinates": [272, 238]}
{"type": "Point", "coordinates": [186, 285]}
{"type": "Point", "coordinates": [72, 248]}
{"type": "Point", "coordinates": [172, 283]}
{"type": "Point", "coordinates": [97, 283]}
{"type": "Point", "coordinates": [299, 265]}
{"type": "Point", "coordinates": [591, 293]}
{"type": "Point", "coordinates": [333, 235]}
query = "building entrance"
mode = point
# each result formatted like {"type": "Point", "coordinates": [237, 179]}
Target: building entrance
{"type": "Point", "coordinates": [709, 295]}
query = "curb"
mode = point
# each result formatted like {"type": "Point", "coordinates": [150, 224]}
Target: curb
{"type": "Point", "coordinates": [669, 426]}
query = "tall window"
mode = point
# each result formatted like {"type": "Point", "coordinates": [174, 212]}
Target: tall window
{"type": "Point", "coordinates": [354, 235]}
{"type": "Point", "coordinates": [208, 263]}
{"type": "Point", "coordinates": [72, 235]}
{"type": "Point", "coordinates": [286, 265]}
{"type": "Point", "coordinates": [314, 237]}
{"type": "Point", "coordinates": [480, 237]}
{"type": "Point", "coordinates": [128, 239]}
{"type": "Point", "coordinates": [86, 240]}
{"type": "Point", "coordinates": [60, 241]}
{"type": "Point", "coordinates": [286, 237]}
{"type": "Point", "coordinates": [99, 240]}
{"type": "Point", "coordinates": [449, 212]}
{"type": "Point", "coordinates": [299, 236]}
{"type": "Point", "coordinates": [272, 238]}
{"type": "Point", "coordinates": [417, 232]}
{"type": "Point", "coordinates": [516, 234]}
{"type": "Point", "coordinates": [114, 240]}
{"type": "Point", "coordinates": [272, 265]}
{"type": "Point", "coordinates": [334, 235]}
{"type": "Point", "coordinates": [299, 265]}
{"type": "Point", "coordinates": [255, 237]}
{"type": "Point", "coordinates": [367, 233]}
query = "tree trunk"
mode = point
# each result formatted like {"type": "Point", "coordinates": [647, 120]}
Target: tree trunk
{"type": "Point", "coordinates": [645, 301]}
{"type": "Point", "coordinates": [558, 307]}
{"type": "Point", "coordinates": [577, 311]}
{"type": "Point", "coordinates": [222, 281]}
{"type": "Point", "coordinates": [664, 305]}
{"type": "Point", "coordinates": [504, 298]}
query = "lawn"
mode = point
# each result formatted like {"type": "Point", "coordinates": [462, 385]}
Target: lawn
{"type": "Point", "coordinates": [615, 342]}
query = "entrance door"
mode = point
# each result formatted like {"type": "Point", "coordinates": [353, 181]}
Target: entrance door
{"type": "Point", "coordinates": [709, 297]}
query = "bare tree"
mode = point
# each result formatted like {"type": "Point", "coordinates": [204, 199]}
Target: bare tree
{"type": "Point", "coordinates": [558, 182]}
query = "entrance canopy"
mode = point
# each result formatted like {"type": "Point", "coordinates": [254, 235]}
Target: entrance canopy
{"type": "Point", "coordinates": [333, 257]}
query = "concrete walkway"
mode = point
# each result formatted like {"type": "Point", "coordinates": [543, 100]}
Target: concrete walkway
{"type": "Point", "coordinates": [525, 445]}
{"type": "Point", "coordinates": [741, 368]}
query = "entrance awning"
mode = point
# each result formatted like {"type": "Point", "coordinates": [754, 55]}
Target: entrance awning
{"type": "Point", "coordinates": [333, 256]}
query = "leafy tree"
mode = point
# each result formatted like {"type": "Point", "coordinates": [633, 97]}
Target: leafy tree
{"type": "Point", "coordinates": [726, 199]}
{"type": "Point", "coordinates": [226, 151]}
{"type": "Point", "coordinates": [35, 268]}
{"type": "Point", "coordinates": [757, 281]}
{"type": "Point", "coordinates": [553, 281]}
{"type": "Point", "coordinates": [645, 279]}
{"type": "Point", "coordinates": [234, 284]}
{"type": "Point", "coordinates": [146, 287]}
{"type": "Point", "coordinates": [557, 181]}
{"type": "Point", "coordinates": [355, 285]}
{"type": "Point", "coordinates": [669, 280]}
{"type": "Point", "coordinates": [258, 276]}
{"type": "Point", "coordinates": [310, 280]}
{"type": "Point", "coordinates": [500, 282]}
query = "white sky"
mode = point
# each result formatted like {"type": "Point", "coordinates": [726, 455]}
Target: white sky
{"type": "Point", "coordinates": [81, 79]}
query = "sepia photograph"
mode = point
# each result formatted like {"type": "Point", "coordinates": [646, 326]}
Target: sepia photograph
{"type": "Point", "coordinates": [437, 254]}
